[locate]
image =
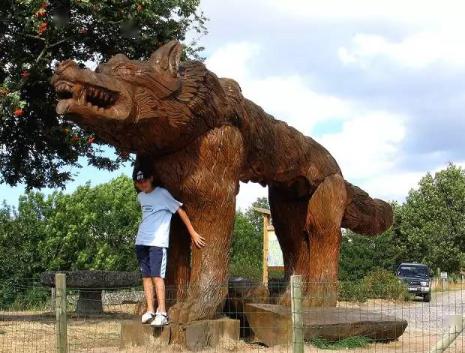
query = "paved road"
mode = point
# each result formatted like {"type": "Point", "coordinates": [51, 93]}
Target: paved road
{"type": "Point", "coordinates": [434, 316]}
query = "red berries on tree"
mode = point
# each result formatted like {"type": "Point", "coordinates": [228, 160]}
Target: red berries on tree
{"type": "Point", "coordinates": [42, 27]}
{"type": "Point", "coordinates": [18, 112]}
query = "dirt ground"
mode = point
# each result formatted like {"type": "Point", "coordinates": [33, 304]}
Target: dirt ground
{"type": "Point", "coordinates": [27, 332]}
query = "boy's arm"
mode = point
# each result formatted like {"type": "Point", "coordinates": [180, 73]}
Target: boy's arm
{"type": "Point", "coordinates": [197, 239]}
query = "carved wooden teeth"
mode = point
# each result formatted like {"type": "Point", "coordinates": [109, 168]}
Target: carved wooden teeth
{"type": "Point", "coordinates": [106, 97]}
{"type": "Point", "coordinates": [99, 99]}
{"type": "Point", "coordinates": [64, 87]}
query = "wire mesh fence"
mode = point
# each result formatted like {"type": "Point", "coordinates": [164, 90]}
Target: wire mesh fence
{"type": "Point", "coordinates": [255, 318]}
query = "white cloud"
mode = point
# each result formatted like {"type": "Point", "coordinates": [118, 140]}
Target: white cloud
{"type": "Point", "coordinates": [412, 11]}
{"type": "Point", "coordinates": [368, 145]}
{"type": "Point", "coordinates": [415, 51]}
{"type": "Point", "coordinates": [248, 193]}
{"type": "Point", "coordinates": [396, 185]}
{"type": "Point", "coordinates": [392, 186]}
{"type": "Point", "coordinates": [231, 60]}
{"type": "Point", "coordinates": [287, 98]}
{"type": "Point", "coordinates": [366, 148]}
{"type": "Point", "coordinates": [290, 99]}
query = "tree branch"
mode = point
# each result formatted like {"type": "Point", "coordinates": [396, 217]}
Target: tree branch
{"type": "Point", "coordinates": [59, 42]}
{"type": "Point", "coordinates": [31, 36]}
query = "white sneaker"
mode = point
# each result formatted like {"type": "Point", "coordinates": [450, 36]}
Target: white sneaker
{"type": "Point", "coordinates": [148, 317]}
{"type": "Point", "coordinates": [161, 319]}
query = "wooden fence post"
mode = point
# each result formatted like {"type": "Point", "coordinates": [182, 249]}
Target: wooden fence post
{"type": "Point", "coordinates": [296, 311]}
{"type": "Point", "coordinates": [60, 310]}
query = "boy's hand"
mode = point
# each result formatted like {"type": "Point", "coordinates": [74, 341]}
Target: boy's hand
{"type": "Point", "coordinates": [198, 240]}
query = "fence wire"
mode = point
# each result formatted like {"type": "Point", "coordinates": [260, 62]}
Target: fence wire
{"type": "Point", "coordinates": [254, 318]}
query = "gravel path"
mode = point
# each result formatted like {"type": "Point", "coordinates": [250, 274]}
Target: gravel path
{"type": "Point", "coordinates": [434, 316]}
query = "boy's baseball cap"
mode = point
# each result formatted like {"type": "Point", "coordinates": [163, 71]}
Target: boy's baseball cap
{"type": "Point", "coordinates": [141, 174]}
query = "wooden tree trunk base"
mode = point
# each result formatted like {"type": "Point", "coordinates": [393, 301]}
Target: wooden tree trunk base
{"type": "Point", "coordinates": [198, 335]}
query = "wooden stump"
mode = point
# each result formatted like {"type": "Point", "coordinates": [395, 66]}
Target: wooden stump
{"type": "Point", "coordinates": [134, 333]}
{"type": "Point", "coordinates": [222, 333]}
{"type": "Point", "coordinates": [195, 336]}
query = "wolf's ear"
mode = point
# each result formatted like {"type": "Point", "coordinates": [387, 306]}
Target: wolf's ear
{"type": "Point", "coordinates": [167, 57]}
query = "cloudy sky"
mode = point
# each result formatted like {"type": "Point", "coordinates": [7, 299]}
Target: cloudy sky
{"type": "Point", "coordinates": [379, 83]}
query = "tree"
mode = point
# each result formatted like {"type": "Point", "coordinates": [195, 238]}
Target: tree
{"type": "Point", "coordinates": [247, 243]}
{"type": "Point", "coordinates": [246, 249]}
{"type": "Point", "coordinates": [255, 217]}
{"type": "Point", "coordinates": [361, 254]}
{"type": "Point", "coordinates": [433, 220]}
{"type": "Point", "coordinates": [20, 232]}
{"type": "Point", "coordinates": [35, 144]}
{"type": "Point", "coordinates": [93, 228]}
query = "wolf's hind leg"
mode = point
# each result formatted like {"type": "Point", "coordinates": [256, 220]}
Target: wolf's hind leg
{"type": "Point", "coordinates": [324, 216]}
{"type": "Point", "coordinates": [289, 216]}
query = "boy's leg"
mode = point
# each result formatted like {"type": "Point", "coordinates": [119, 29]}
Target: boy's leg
{"type": "Point", "coordinates": [158, 264]}
{"type": "Point", "coordinates": [143, 257]}
{"type": "Point", "coordinates": [159, 283]}
{"type": "Point", "coordinates": [148, 291]}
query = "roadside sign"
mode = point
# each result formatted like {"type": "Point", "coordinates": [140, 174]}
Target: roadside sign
{"type": "Point", "coordinates": [275, 255]}
{"type": "Point", "coordinates": [443, 275]}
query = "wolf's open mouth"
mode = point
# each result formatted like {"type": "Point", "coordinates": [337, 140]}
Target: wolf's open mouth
{"type": "Point", "coordinates": [95, 97]}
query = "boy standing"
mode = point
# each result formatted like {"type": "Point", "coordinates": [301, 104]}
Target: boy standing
{"type": "Point", "coordinates": [152, 241]}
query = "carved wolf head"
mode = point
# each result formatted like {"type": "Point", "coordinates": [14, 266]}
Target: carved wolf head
{"type": "Point", "coordinates": [155, 105]}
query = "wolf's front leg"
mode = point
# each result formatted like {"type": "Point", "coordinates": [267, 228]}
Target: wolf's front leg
{"type": "Point", "coordinates": [207, 182]}
{"type": "Point", "coordinates": [210, 264]}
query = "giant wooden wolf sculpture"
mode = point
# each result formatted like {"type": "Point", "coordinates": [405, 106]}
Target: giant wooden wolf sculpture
{"type": "Point", "coordinates": [202, 136]}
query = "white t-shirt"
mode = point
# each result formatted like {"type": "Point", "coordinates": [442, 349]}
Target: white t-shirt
{"type": "Point", "coordinates": [157, 209]}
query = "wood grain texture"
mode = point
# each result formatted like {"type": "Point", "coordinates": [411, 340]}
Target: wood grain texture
{"type": "Point", "coordinates": [201, 136]}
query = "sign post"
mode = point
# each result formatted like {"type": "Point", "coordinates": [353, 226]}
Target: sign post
{"type": "Point", "coordinates": [272, 254]}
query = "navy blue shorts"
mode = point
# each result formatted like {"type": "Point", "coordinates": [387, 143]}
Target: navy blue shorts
{"type": "Point", "coordinates": [152, 260]}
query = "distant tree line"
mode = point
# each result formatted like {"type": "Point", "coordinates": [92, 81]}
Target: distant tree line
{"type": "Point", "coordinates": [94, 228]}
{"type": "Point", "coordinates": [429, 227]}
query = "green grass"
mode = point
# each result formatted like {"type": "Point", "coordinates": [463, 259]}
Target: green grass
{"type": "Point", "coordinates": [346, 343]}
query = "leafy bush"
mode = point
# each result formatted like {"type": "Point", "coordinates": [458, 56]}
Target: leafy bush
{"type": "Point", "coordinates": [33, 298]}
{"type": "Point", "coordinates": [377, 284]}
{"type": "Point", "coordinates": [352, 291]}
{"type": "Point", "coordinates": [383, 284]}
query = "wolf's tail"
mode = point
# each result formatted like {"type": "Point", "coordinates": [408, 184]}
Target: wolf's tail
{"type": "Point", "coordinates": [365, 215]}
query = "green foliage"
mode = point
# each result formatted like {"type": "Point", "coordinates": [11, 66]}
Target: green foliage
{"type": "Point", "coordinates": [34, 298]}
{"type": "Point", "coordinates": [383, 284]}
{"type": "Point", "coordinates": [361, 254]}
{"type": "Point", "coordinates": [92, 228]}
{"type": "Point", "coordinates": [428, 228]}
{"type": "Point", "coordinates": [377, 284]}
{"type": "Point", "coordinates": [247, 244]}
{"type": "Point", "coordinates": [36, 143]}
{"type": "Point", "coordinates": [346, 343]}
{"type": "Point", "coordinates": [254, 217]}
{"type": "Point", "coordinates": [433, 221]}
{"type": "Point", "coordinates": [352, 291]}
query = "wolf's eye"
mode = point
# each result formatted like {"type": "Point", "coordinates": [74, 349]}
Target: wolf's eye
{"type": "Point", "coordinates": [124, 70]}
